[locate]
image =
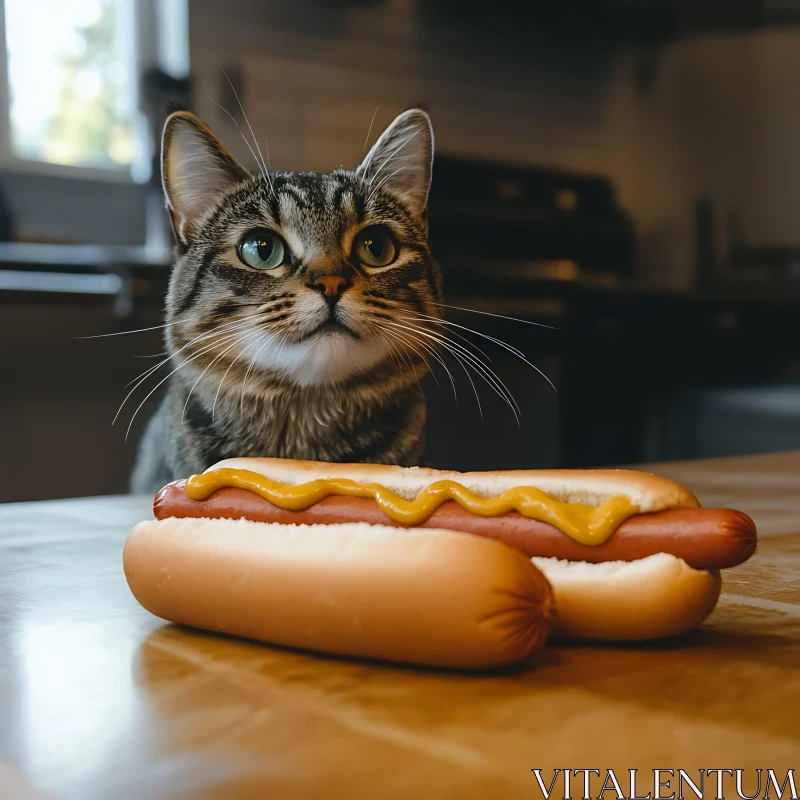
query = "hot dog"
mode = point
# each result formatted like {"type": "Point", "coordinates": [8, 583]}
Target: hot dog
{"type": "Point", "coordinates": [627, 555]}
{"type": "Point", "coordinates": [661, 516]}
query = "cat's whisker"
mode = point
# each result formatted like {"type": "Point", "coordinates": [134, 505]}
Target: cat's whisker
{"type": "Point", "coordinates": [432, 350]}
{"type": "Point", "coordinates": [383, 337]}
{"type": "Point", "coordinates": [371, 123]}
{"type": "Point", "coordinates": [404, 340]}
{"type": "Point", "coordinates": [404, 355]}
{"type": "Point", "coordinates": [269, 163]}
{"type": "Point", "coordinates": [125, 333]}
{"type": "Point", "coordinates": [437, 320]}
{"type": "Point", "coordinates": [255, 141]}
{"type": "Point", "coordinates": [250, 367]}
{"type": "Point", "coordinates": [200, 337]}
{"type": "Point", "coordinates": [153, 369]}
{"type": "Point", "coordinates": [230, 366]}
{"type": "Point", "coordinates": [494, 381]}
{"type": "Point", "coordinates": [426, 330]}
{"type": "Point", "coordinates": [238, 341]}
{"type": "Point", "coordinates": [461, 362]}
{"type": "Point", "coordinates": [510, 348]}
{"type": "Point", "coordinates": [261, 169]}
{"type": "Point", "coordinates": [450, 324]}
{"type": "Point", "coordinates": [180, 366]}
{"type": "Point", "coordinates": [144, 375]}
{"type": "Point", "coordinates": [429, 349]}
{"type": "Point", "coordinates": [499, 316]}
{"type": "Point", "coordinates": [469, 378]}
{"type": "Point", "coordinates": [426, 318]}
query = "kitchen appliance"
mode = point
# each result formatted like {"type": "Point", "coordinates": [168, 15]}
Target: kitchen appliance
{"type": "Point", "coordinates": [510, 222]}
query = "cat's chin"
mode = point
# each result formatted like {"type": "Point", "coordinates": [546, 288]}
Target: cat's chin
{"type": "Point", "coordinates": [326, 358]}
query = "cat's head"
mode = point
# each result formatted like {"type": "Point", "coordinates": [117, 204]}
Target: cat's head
{"type": "Point", "coordinates": [311, 278]}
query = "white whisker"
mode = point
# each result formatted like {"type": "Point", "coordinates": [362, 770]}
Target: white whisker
{"type": "Point", "coordinates": [488, 375]}
{"type": "Point", "coordinates": [499, 316]}
{"type": "Point", "coordinates": [500, 343]}
{"type": "Point", "coordinates": [125, 333]}
{"type": "Point", "coordinates": [384, 336]}
{"type": "Point", "coordinates": [405, 341]}
{"type": "Point", "coordinates": [200, 337]}
{"type": "Point", "coordinates": [430, 349]}
{"type": "Point", "coordinates": [239, 355]}
{"type": "Point", "coordinates": [261, 169]}
{"type": "Point", "coordinates": [179, 367]}
{"type": "Point", "coordinates": [463, 364]}
{"type": "Point", "coordinates": [151, 370]}
{"type": "Point", "coordinates": [241, 108]}
{"type": "Point", "coordinates": [239, 340]}
{"type": "Point", "coordinates": [269, 163]}
{"type": "Point", "coordinates": [371, 123]}
{"type": "Point", "coordinates": [250, 367]}
{"type": "Point", "coordinates": [404, 309]}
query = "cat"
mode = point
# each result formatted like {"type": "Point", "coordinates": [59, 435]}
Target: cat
{"type": "Point", "coordinates": [300, 307]}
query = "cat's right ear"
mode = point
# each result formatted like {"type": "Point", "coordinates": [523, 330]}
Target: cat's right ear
{"type": "Point", "coordinates": [196, 171]}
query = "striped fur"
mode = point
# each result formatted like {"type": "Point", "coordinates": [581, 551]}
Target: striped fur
{"type": "Point", "coordinates": [252, 377]}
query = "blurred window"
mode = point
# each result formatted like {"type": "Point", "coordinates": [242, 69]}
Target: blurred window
{"type": "Point", "coordinates": [72, 82]}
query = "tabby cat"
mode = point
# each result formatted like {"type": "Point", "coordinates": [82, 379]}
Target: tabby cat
{"type": "Point", "coordinates": [300, 307]}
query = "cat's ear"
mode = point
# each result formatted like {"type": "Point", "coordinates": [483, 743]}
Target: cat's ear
{"type": "Point", "coordinates": [402, 159]}
{"type": "Point", "coordinates": [196, 171]}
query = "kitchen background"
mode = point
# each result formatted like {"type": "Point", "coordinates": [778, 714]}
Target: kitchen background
{"type": "Point", "coordinates": [625, 175]}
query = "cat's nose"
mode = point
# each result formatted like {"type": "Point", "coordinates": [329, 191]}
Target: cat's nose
{"type": "Point", "coordinates": [331, 286]}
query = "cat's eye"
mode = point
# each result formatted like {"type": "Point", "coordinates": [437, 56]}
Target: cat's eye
{"type": "Point", "coordinates": [262, 249]}
{"type": "Point", "coordinates": [375, 247]}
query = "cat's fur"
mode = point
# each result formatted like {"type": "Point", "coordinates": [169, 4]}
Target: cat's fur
{"type": "Point", "coordinates": [258, 381]}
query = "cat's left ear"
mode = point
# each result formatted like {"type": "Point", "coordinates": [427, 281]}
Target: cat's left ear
{"type": "Point", "coordinates": [402, 160]}
{"type": "Point", "coordinates": [196, 171]}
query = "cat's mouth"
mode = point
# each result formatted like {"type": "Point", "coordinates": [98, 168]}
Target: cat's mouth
{"type": "Point", "coordinates": [331, 327]}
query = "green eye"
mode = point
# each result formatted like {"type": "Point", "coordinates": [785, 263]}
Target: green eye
{"type": "Point", "coordinates": [262, 249]}
{"type": "Point", "coordinates": [375, 247]}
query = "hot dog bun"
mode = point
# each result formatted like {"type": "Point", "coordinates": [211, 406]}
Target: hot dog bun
{"type": "Point", "coordinates": [648, 492]}
{"type": "Point", "coordinates": [652, 598]}
{"type": "Point", "coordinates": [429, 597]}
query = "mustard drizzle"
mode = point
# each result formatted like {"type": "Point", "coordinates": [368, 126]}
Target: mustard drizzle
{"type": "Point", "coordinates": [583, 522]}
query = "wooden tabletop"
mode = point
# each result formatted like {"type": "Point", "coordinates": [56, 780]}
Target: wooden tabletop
{"type": "Point", "coordinates": [98, 699]}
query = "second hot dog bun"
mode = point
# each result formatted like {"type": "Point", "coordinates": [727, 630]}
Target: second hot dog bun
{"type": "Point", "coordinates": [652, 598]}
{"type": "Point", "coordinates": [592, 486]}
{"type": "Point", "coordinates": [401, 594]}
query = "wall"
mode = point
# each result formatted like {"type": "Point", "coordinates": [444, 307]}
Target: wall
{"type": "Point", "coordinates": [720, 116]}
{"type": "Point", "coordinates": [314, 74]}
{"type": "Point", "coordinates": [721, 119]}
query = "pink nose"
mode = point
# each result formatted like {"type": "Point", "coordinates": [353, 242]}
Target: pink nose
{"type": "Point", "coordinates": [331, 285]}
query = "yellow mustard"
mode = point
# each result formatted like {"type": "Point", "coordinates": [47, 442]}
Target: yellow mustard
{"type": "Point", "coordinates": [583, 522]}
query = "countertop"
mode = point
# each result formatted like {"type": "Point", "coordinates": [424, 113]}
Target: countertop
{"type": "Point", "coordinates": [98, 699]}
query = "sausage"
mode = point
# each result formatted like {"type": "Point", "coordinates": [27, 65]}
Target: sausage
{"type": "Point", "coordinates": [705, 538]}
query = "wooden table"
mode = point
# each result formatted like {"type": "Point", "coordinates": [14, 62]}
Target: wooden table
{"type": "Point", "coordinates": [98, 699]}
